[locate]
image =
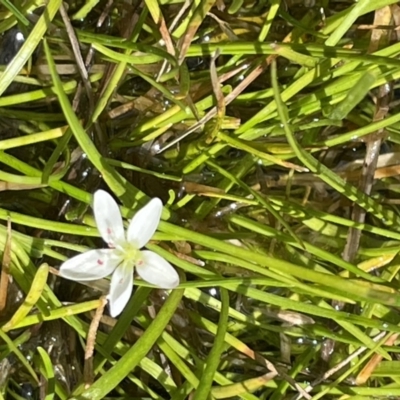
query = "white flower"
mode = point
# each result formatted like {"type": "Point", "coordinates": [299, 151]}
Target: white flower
{"type": "Point", "coordinates": [124, 254]}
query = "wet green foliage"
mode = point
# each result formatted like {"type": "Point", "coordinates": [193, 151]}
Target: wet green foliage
{"type": "Point", "coordinates": [270, 130]}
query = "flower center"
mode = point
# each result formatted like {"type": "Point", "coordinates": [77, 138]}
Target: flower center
{"type": "Point", "coordinates": [129, 253]}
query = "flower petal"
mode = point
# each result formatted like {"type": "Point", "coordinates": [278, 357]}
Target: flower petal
{"type": "Point", "coordinates": [154, 269]}
{"type": "Point", "coordinates": [91, 265]}
{"type": "Point", "coordinates": [120, 289]}
{"type": "Point", "coordinates": [108, 218]}
{"type": "Point", "coordinates": [144, 223]}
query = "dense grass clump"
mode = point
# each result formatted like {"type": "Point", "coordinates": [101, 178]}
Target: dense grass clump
{"type": "Point", "coordinates": [270, 130]}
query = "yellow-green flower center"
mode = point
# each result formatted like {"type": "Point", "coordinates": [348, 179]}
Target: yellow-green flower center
{"type": "Point", "coordinates": [129, 253]}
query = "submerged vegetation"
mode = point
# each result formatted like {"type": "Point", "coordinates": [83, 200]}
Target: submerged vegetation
{"type": "Point", "coordinates": [270, 131]}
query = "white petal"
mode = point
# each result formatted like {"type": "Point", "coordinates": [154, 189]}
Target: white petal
{"type": "Point", "coordinates": [108, 218]}
{"type": "Point", "coordinates": [121, 289]}
{"type": "Point", "coordinates": [157, 271]}
{"type": "Point", "coordinates": [144, 223]}
{"type": "Point", "coordinates": [91, 265]}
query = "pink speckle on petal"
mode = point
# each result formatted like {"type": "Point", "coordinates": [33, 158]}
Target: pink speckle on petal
{"type": "Point", "coordinates": [109, 231]}
{"type": "Point", "coordinates": [140, 263]}
{"type": "Point", "coordinates": [100, 262]}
